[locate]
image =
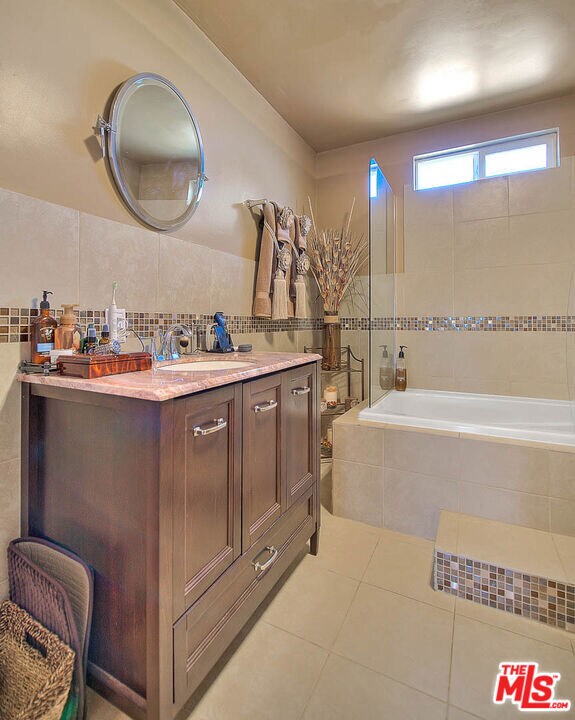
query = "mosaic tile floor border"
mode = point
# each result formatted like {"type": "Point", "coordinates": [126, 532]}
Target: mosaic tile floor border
{"type": "Point", "coordinates": [14, 323]}
{"type": "Point", "coordinates": [551, 602]}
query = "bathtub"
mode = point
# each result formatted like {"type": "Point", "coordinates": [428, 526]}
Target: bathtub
{"type": "Point", "coordinates": [401, 462]}
{"type": "Point", "coordinates": [516, 418]}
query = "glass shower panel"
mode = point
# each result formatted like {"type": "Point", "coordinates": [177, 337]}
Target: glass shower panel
{"type": "Point", "coordinates": [381, 284]}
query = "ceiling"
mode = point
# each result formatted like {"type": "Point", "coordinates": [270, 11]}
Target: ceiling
{"type": "Point", "coordinates": [345, 71]}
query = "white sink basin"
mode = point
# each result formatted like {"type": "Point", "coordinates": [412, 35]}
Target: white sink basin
{"type": "Point", "coordinates": [206, 365]}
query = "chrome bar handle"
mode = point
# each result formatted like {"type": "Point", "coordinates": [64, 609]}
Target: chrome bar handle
{"type": "Point", "coordinates": [260, 567]}
{"type": "Point", "coordinates": [264, 407]}
{"type": "Point", "coordinates": [301, 390]}
{"type": "Point", "coordinates": [219, 424]}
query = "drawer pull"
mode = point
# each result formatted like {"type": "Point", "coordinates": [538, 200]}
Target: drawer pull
{"type": "Point", "coordinates": [219, 424]}
{"type": "Point", "coordinates": [259, 567]}
{"type": "Point", "coordinates": [301, 390]}
{"type": "Point", "coordinates": [264, 407]}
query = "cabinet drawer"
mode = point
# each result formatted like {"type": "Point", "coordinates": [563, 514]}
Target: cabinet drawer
{"type": "Point", "coordinates": [208, 627]}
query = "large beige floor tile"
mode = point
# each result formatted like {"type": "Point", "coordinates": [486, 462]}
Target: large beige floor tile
{"type": "Point", "coordinates": [477, 651]}
{"type": "Point", "coordinates": [270, 677]}
{"type": "Point", "coordinates": [347, 691]}
{"type": "Point", "coordinates": [100, 709]}
{"type": "Point", "coordinates": [345, 546]}
{"type": "Point", "coordinates": [405, 639]}
{"type": "Point", "coordinates": [313, 603]}
{"type": "Point", "coordinates": [454, 713]}
{"type": "Point", "coordinates": [406, 569]}
{"type": "Point", "coordinates": [513, 623]}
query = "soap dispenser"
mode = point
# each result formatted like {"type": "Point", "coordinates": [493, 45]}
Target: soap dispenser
{"type": "Point", "coordinates": [401, 370]}
{"type": "Point", "coordinates": [385, 370]}
{"type": "Point", "coordinates": [68, 334]}
{"type": "Point", "coordinates": [42, 330]}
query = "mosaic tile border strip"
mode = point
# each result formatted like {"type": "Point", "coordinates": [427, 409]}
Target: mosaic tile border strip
{"type": "Point", "coordinates": [467, 323]}
{"type": "Point", "coordinates": [14, 323]}
{"type": "Point", "coordinates": [548, 601]}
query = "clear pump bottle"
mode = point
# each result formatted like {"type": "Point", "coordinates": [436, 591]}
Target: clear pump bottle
{"type": "Point", "coordinates": [401, 370]}
{"type": "Point", "coordinates": [385, 369]}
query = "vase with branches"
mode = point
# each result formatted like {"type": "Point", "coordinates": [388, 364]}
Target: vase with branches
{"type": "Point", "coordinates": [336, 257]}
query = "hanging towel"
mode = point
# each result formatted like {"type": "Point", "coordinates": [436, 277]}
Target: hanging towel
{"type": "Point", "coordinates": [267, 263]}
{"type": "Point", "coordinates": [283, 305]}
{"type": "Point", "coordinates": [302, 226]}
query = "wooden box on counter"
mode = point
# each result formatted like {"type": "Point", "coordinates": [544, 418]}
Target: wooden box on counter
{"type": "Point", "coordinates": [96, 366]}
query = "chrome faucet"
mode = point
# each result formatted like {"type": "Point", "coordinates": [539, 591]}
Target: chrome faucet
{"type": "Point", "coordinates": [167, 345]}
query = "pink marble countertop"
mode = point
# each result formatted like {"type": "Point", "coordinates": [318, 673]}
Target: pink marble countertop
{"type": "Point", "coordinates": [161, 385]}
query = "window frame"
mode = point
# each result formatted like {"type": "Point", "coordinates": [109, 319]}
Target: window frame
{"type": "Point", "coordinates": [549, 137]}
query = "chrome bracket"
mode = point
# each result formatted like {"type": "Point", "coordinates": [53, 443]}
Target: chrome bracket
{"type": "Point", "coordinates": [102, 127]}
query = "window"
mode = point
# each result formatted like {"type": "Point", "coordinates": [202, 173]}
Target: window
{"type": "Point", "coordinates": [535, 151]}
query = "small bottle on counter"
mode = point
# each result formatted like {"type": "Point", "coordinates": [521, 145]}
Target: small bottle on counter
{"type": "Point", "coordinates": [42, 330]}
{"type": "Point", "coordinates": [91, 339]}
{"type": "Point", "coordinates": [105, 339]}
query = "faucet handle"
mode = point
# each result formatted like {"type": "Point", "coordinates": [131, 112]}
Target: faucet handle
{"type": "Point", "coordinates": [174, 354]}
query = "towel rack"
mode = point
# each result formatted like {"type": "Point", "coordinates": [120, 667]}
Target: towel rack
{"type": "Point", "coordinates": [252, 203]}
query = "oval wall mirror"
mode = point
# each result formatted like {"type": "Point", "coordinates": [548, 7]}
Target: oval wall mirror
{"type": "Point", "coordinates": [155, 151]}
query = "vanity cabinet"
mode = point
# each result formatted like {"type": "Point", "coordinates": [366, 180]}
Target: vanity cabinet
{"type": "Point", "coordinates": [188, 509]}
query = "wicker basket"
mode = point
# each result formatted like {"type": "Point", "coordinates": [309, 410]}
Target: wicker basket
{"type": "Point", "coordinates": [35, 668]}
{"type": "Point", "coordinates": [56, 587]}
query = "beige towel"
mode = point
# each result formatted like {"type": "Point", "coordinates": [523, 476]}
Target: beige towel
{"type": "Point", "coordinates": [266, 263]}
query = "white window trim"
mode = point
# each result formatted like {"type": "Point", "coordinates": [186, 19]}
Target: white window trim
{"type": "Point", "coordinates": [550, 138]}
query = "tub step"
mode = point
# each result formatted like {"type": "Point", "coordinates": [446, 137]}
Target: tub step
{"type": "Point", "coordinates": [512, 568]}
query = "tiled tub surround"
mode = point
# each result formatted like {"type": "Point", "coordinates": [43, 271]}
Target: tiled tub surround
{"type": "Point", "coordinates": [402, 479]}
{"type": "Point", "coordinates": [519, 570]}
{"type": "Point", "coordinates": [503, 247]}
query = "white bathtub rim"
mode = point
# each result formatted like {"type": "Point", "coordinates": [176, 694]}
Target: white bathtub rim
{"type": "Point", "coordinates": [562, 442]}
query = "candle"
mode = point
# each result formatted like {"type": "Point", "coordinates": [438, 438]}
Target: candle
{"type": "Point", "coordinates": [330, 395]}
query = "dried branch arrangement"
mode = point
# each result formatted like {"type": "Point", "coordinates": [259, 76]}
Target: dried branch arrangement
{"type": "Point", "coordinates": [336, 257]}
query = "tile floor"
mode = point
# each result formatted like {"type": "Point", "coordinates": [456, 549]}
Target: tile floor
{"type": "Point", "coordinates": [358, 634]}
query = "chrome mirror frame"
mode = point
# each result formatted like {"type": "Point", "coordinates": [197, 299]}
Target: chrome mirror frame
{"type": "Point", "coordinates": [108, 132]}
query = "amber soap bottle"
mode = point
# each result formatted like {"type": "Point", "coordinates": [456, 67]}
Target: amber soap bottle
{"type": "Point", "coordinates": [42, 332]}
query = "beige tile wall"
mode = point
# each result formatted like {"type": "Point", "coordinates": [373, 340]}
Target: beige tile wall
{"type": "Point", "coordinates": [403, 479]}
{"type": "Point", "coordinates": [504, 246]}
{"type": "Point", "coordinates": [78, 256]}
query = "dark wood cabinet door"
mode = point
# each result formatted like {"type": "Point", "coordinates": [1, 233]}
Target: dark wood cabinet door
{"type": "Point", "coordinates": [207, 491]}
{"type": "Point", "coordinates": [263, 492]}
{"type": "Point", "coordinates": [300, 433]}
